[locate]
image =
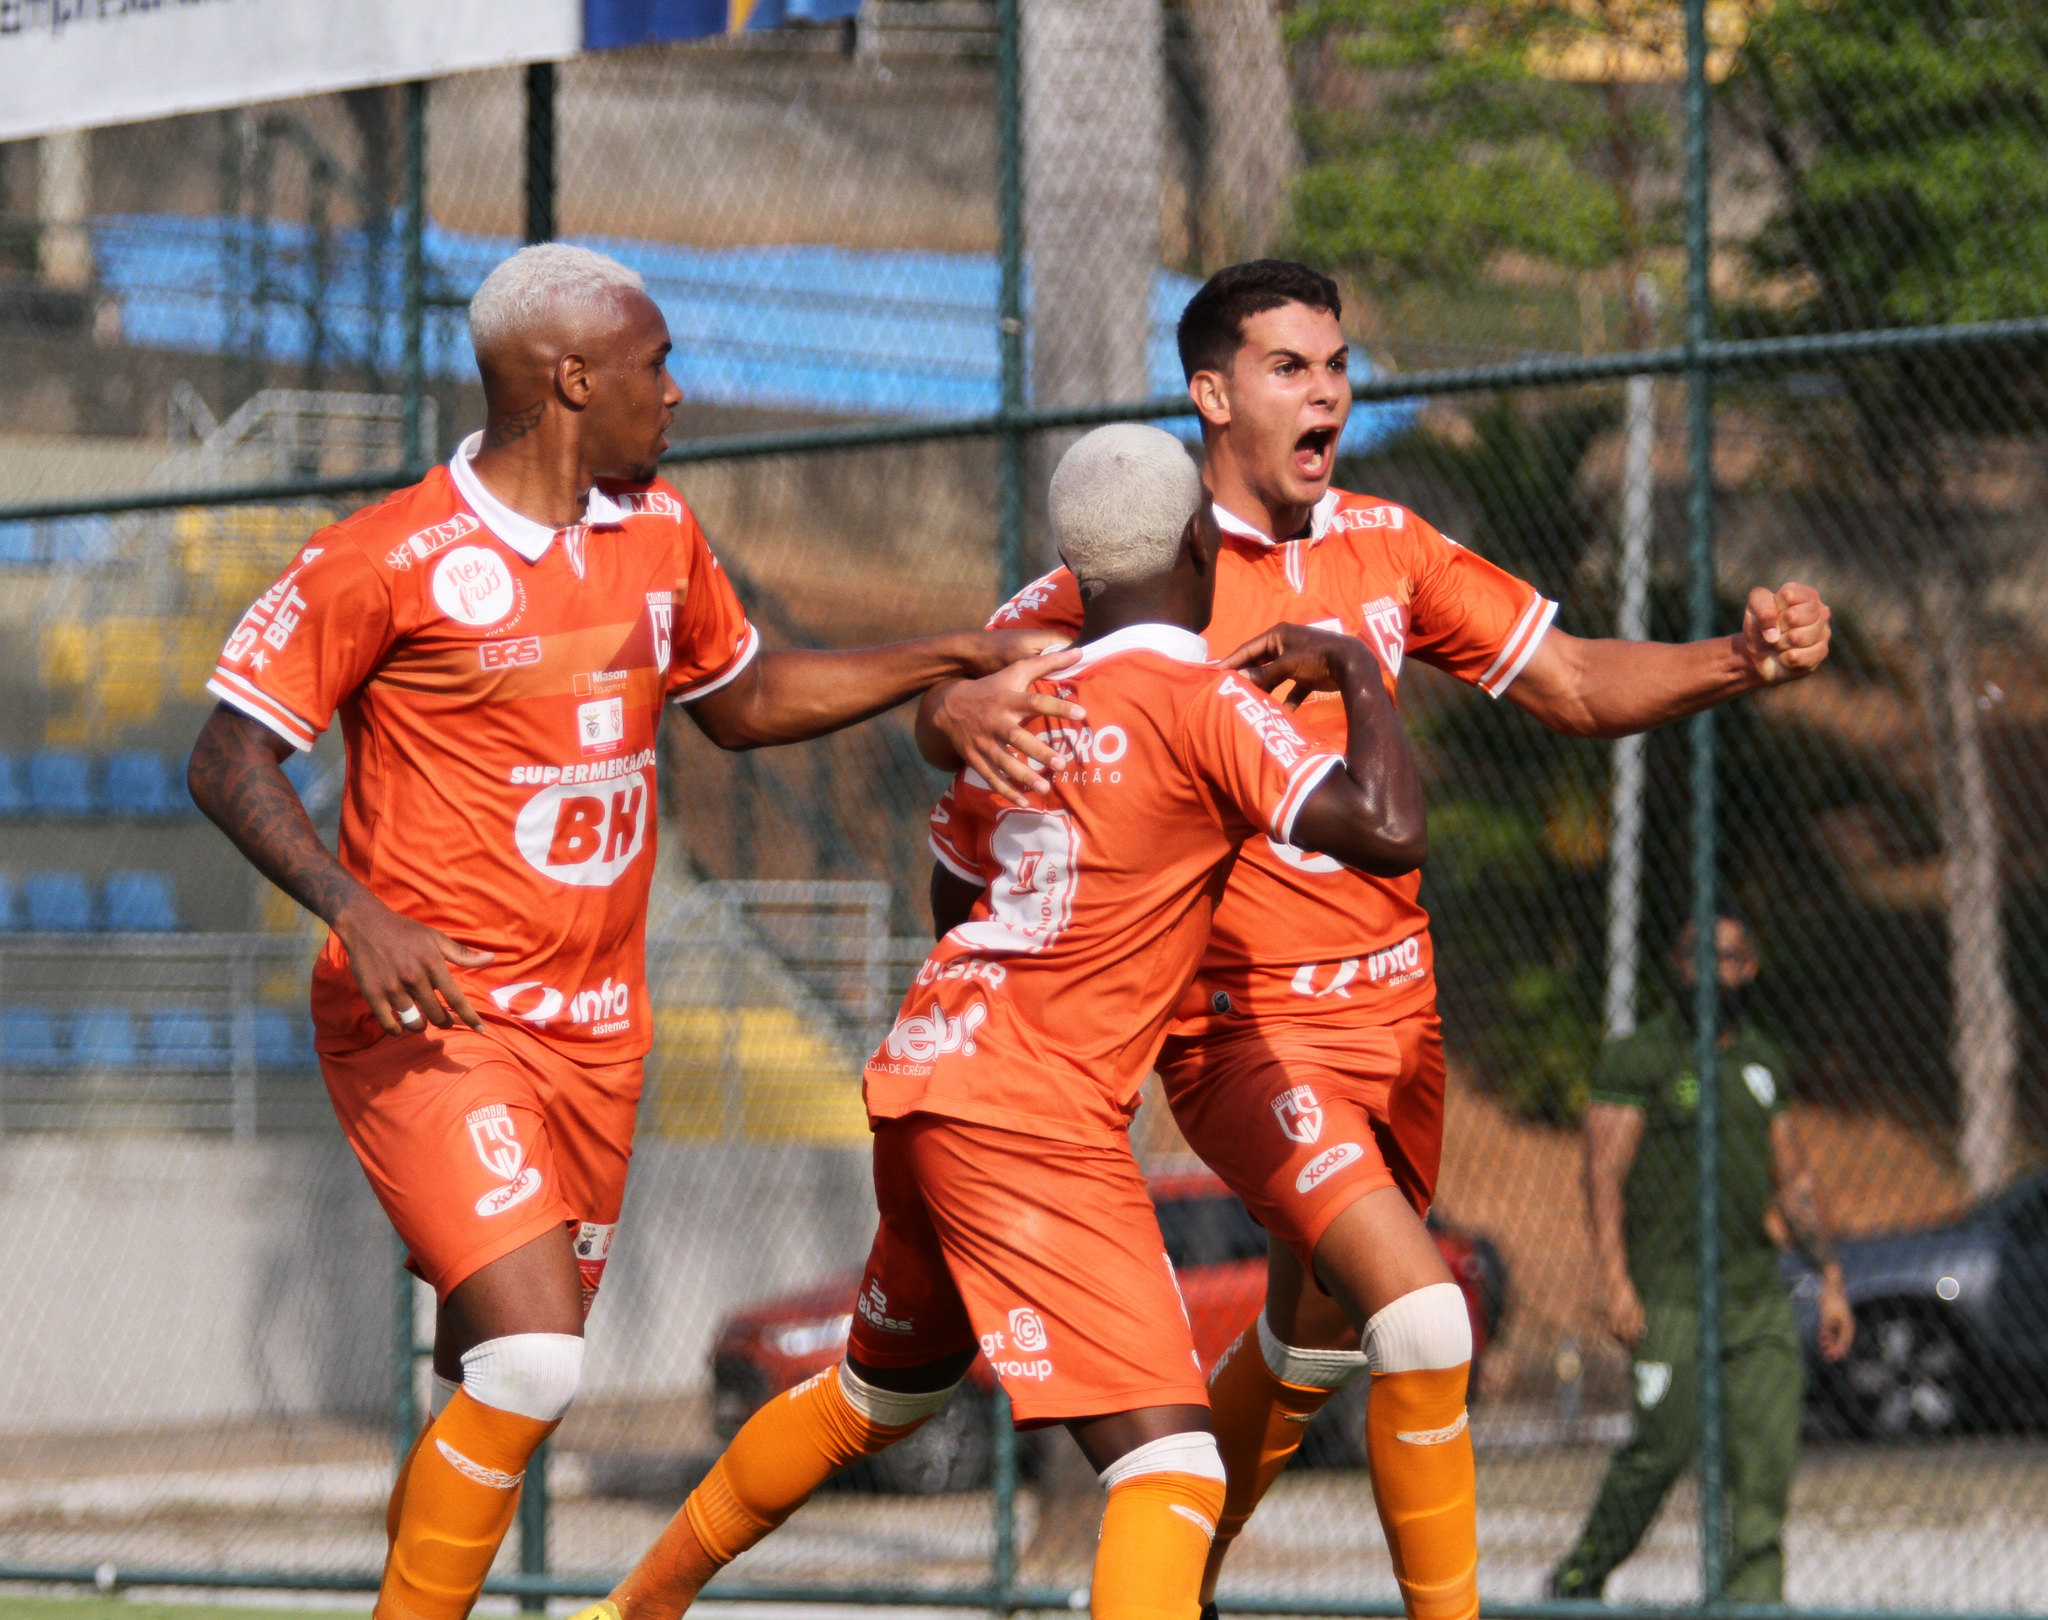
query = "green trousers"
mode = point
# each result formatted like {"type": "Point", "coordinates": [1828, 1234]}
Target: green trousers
{"type": "Point", "coordinates": [1762, 1385]}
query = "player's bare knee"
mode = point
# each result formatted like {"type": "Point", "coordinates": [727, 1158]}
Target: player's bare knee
{"type": "Point", "coordinates": [533, 1374]}
{"type": "Point", "coordinates": [1427, 1329]}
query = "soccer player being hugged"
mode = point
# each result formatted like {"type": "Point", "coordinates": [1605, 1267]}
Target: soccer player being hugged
{"type": "Point", "coordinates": [1306, 1064]}
{"type": "Point", "coordinates": [1014, 1220]}
{"type": "Point", "coordinates": [500, 641]}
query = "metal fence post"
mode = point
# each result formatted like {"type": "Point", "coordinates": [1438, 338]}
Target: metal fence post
{"type": "Point", "coordinates": [540, 152]}
{"type": "Point", "coordinates": [414, 311]}
{"type": "Point", "coordinates": [405, 1414]}
{"type": "Point", "coordinates": [1002, 1575]}
{"type": "Point", "coordinates": [1010, 187]}
{"type": "Point", "coordinates": [1699, 331]}
{"type": "Point", "coordinates": [533, 1527]}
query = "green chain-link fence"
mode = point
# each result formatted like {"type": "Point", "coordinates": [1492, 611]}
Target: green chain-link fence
{"type": "Point", "coordinates": [1660, 303]}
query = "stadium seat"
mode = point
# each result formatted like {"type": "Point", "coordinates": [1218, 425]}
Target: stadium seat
{"type": "Point", "coordinates": [56, 903]}
{"type": "Point", "coordinates": [10, 911]}
{"type": "Point", "coordinates": [138, 783]}
{"type": "Point", "coordinates": [186, 1038]}
{"type": "Point", "coordinates": [139, 903]}
{"type": "Point", "coordinates": [102, 1038]}
{"type": "Point", "coordinates": [60, 783]}
{"type": "Point", "coordinates": [304, 772]}
{"type": "Point", "coordinates": [20, 546]}
{"type": "Point", "coordinates": [28, 1039]}
{"type": "Point", "coordinates": [283, 1040]}
{"type": "Point", "coordinates": [13, 787]}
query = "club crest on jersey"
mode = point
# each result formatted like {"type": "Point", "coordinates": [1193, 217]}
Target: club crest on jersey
{"type": "Point", "coordinates": [1386, 627]}
{"type": "Point", "coordinates": [661, 616]}
{"type": "Point", "coordinates": [1299, 1113]}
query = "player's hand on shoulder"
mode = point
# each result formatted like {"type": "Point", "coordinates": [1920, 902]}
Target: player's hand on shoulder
{"type": "Point", "coordinates": [1785, 633]}
{"type": "Point", "coordinates": [1313, 660]}
{"type": "Point", "coordinates": [401, 966]}
{"type": "Point", "coordinates": [991, 650]}
{"type": "Point", "coordinates": [983, 720]}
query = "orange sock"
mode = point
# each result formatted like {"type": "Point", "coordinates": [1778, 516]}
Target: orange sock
{"type": "Point", "coordinates": [444, 1389]}
{"type": "Point", "coordinates": [1259, 1421]}
{"type": "Point", "coordinates": [1155, 1534]}
{"type": "Point", "coordinates": [1420, 1450]}
{"type": "Point", "coordinates": [455, 1503]}
{"type": "Point", "coordinates": [784, 1452]}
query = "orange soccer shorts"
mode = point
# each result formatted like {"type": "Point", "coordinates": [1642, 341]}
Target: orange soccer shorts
{"type": "Point", "coordinates": [1047, 1253]}
{"type": "Point", "coordinates": [477, 1141]}
{"type": "Point", "coordinates": [1302, 1119]}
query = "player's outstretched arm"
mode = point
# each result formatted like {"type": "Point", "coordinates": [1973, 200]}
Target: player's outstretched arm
{"type": "Point", "coordinates": [235, 775]}
{"type": "Point", "coordinates": [1612, 688]}
{"type": "Point", "coordinates": [1369, 814]}
{"type": "Point", "coordinates": [790, 696]}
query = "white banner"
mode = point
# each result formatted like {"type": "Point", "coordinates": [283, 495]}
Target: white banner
{"type": "Point", "coordinates": [76, 64]}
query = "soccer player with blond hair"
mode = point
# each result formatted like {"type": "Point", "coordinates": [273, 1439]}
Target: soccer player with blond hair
{"type": "Point", "coordinates": [1305, 1065]}
{"type": "Point", "coordinates": [500, 642]}
{"type": "Point", "coordinates": [1014, 1220]}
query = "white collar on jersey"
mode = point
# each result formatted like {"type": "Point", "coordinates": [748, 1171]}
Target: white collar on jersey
{"type": "Point", "coordinates": [524, 535]}
{"type": "Point", "coordinates": [1319, 517]}
{"type": "Point", "coordinates": [1168, 640]}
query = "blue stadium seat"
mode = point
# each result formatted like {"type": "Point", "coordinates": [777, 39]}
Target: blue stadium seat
{"type": "Point", "coordinates": [102, 1038]}
{"type": "Point", "coordinates": [138, 783]}
{"type": "Point", "coordinates": [10, 911]}
{"type": "Point", "coordinates": [56, 903]}
{"type": "Point", "coordinates": [303, 771]}
{"type": "Point", "coordinates": [13, 787]}
{"type": "Point", "coordinates": [60, 783]}
{"type": "Point", "coordinates": [28, 1039]}
{"type": "Point", "coordinates": [20, 545]}
{"type": "Point", "coordinates": [186, 1038]}
{"type": "Point", "coordinates": [139, 903]}
{"type": "Point", "coordinates": [283, 1040]}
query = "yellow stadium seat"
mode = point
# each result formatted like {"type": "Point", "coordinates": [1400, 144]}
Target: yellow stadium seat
{"type": "Point", "coordinates": [783, 1080]}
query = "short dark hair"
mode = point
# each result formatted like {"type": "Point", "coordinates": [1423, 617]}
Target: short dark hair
{"type": "Point", "coordinates": [1212, 326]}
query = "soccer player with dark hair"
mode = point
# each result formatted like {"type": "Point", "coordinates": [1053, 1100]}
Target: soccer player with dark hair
{"type": "Point", "coordinates": [1306, 1064]}
{"type": "Point", "coordinates": [500, 642]}
{"type": "Point", "coordinates": [1014, 1220]}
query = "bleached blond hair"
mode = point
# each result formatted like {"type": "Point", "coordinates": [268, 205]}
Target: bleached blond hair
{"type": "Point", "coordinates": [1121, 499]}
{"type": "Point", "coordinates": [537, 281]}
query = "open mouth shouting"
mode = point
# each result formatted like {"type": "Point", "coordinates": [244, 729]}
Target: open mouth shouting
{"type": "Point", "coordinates": [1315, 453]}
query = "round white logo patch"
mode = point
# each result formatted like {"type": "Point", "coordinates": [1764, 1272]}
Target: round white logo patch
{"type": "Point", "coordinates": [586, 834]}
{"type": "Point", "coordinates": [473, 585]}
{"type": "Point", "coordinates": [1763, 1085]}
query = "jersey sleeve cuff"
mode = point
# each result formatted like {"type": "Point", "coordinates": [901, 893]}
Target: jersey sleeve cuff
{"type": "Point", "coordinates": [952, 862]}
{"type": "Point", "coordinates": [240, 694]}
{"type": "Point", "coordinates": [1307, 777]}
{"type": "Point", "coordinates": [749, 646]}
{"type": "Point", "coordinates": [1520, 647]}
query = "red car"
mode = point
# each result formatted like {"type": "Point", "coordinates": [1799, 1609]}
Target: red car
{"type": "Point", "coordinates": [1219, 1254]}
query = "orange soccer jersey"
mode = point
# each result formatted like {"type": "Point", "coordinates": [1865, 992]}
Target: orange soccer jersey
{"type": "Point", "coordinates": [1297, 933]}
{"type": "Point", "coordinates": [499, 685]}
{"type": "Point", "coordinates": [1043, 1012]}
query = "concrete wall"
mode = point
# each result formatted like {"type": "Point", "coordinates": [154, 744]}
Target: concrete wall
{"type": "Point", "coordinates": [172, 1280]}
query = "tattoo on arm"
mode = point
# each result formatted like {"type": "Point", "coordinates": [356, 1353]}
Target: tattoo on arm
{"type": "Point", "coordinates": [1800, 1206]}
{"type": "Point", "coordinates": [510, 426]}
{"type": "Point", "coordinates": [237, 782]}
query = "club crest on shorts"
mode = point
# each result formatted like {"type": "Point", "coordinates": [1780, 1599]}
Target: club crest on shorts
{"type": "Point", "coordinates": [1299, 1114]}
{"type": "Point", "coordinates": [496, 1139]}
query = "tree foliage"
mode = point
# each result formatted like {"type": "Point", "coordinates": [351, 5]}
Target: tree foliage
{"type": "Point", "coordinates": [1476, 142]}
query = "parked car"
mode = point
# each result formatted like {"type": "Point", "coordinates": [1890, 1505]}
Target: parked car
{"type": "Point", "coordinates": [1951, 1325]}
{"type": "Point", "coordinates": [1218, 1253]}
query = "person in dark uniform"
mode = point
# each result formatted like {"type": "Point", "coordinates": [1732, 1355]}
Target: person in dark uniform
{"type": "Point", "coordinates": [1642, 1186]}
